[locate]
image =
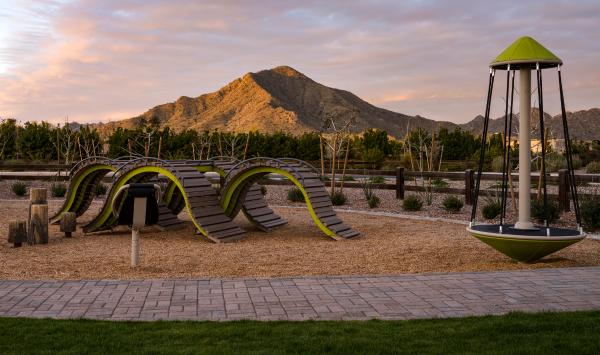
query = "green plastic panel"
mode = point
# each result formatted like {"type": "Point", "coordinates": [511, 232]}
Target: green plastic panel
{"type": "Point", "coordinates": [525, 250]}
{"type": "Point", "coordinates": [525, 52]}
{"type": "Point", "coordinates": [76, 185]}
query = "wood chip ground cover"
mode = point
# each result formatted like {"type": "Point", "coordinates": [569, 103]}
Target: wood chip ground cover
{"type": "Point", "coordinates": [389, 246]}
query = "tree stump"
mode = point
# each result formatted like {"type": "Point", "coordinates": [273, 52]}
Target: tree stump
{"type": "Point", "coordinates": [38, 196]}
{"type": "Point", "coordinates": [17, 232]}
{"type": "Point", "coordinates": [38, 224]}
{"type": "Point", "coordinates": [68, 223]}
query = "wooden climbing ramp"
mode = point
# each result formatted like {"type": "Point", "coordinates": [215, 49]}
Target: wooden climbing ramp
{"type": "Point", "coordinates": [211, 207]}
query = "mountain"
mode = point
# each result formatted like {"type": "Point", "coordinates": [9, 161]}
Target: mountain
{"type": "Point", "coordinates": [283, 99]}
{"type": "Point", "coordinates": [279, 99]}
{"type": "Point", "coordinates": [583, 125]}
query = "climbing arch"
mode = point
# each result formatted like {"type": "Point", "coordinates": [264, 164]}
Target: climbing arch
{"type": "Point", "coordinates": [254, 205]}
{"type": "Point", "coordinates": [200, 198]}
{"type": "Point", "coordinates": [245, 174]}
{"type": "Point", "coordinates": [85, 177]}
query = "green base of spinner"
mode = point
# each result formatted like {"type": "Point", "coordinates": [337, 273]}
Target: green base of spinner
{"type": "Point", "coordinates": [525, 246]}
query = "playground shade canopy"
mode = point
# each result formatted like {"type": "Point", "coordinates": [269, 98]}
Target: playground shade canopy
{"type": "Point", "coordinates": [525, 52]}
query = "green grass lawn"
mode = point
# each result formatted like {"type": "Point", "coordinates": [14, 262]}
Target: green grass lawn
{"type": "Point", "coordinates": [546, 333]}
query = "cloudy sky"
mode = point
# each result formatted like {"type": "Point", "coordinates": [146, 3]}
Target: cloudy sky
{"type": "Point", "coordinates": [106, 60]}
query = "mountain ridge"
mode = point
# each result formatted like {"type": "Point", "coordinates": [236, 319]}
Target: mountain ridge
{"type": "Point", "coordinates": [284, 99]}
{"type": "Point", "coordinates": [278, 99]}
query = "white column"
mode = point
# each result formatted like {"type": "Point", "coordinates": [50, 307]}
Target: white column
{"type": "Point", "coordinates": [135, 247]}
{"type": "Point", "coordinates": [139, 220]}
{"type": "Point", "coordinates": [524, 221]}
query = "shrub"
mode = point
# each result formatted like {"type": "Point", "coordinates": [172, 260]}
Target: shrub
{"type": "Point", "coordinates": [348, 178]}
{"type": "Point", "coordinates": [58, 189]}
{"type": "Point", "coordinates": [497, 163]}
{"type": "Point", "coordinates": [593, 168]}
{"type": "Point", "coordinates": [19, 188]}
{"type": "Point", "coordinates": [100, 190]}
{"type": "Point", "coordinates": [412, 203]}
{"type": "Point", "coordinates": [453, 204]}
{"type": "Point", "coordinates": [295, 195]}
{"type": "Point", "coordinates": [263, 189]}
{"type": "Point", "coordinates": [537, 210]}
{"type": "Point", "coordinates": [373, 155]}
{"type": "Point", "coordinates": [555, 162]}
{"type": "Point", "coordinates": [338, 198]}
{"type": "Point", "coordinates": [590, 213]}
{"type": "Point", "coordinates": [377, 180]}
{"type": "Point", "coordinates": [369, 192]}
{"type": "Point", "coordinates": [439, 182]}
{"type": "Point", "coordinates": [492, 204]}
{"type": "Point", "coordinates": [491, 210]}
{"type": "Point", "coordinates": [373, 202]}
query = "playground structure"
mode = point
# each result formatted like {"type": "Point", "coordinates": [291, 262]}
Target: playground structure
{"type": "Point", "coordinates": [523, 241]}
{"type": "Point", "coordinates": [211, 208]}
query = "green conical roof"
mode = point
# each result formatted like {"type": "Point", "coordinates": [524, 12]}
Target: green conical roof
{"type": "Point", "coordinates": [525, 52]}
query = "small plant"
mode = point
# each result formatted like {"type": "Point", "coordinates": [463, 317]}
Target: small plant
{"type": "Point", "coordinates": [453, 204]}
{"type": "Point", "coordinates": [295, 195]}
{"type": "Point", "coordinates": [373, 202]}
{"type": "Point", "coordinates": [552, 210]}
{"type": "Point", "coordinates": [377, 179]}
{"type": "Point", "coordinates": [348, 178]}
{"type": "Point", "coordinates": [491, 210]}
{"type": "Point", "coordinates": [19, 188]}
{"type": "Point", "coordinates": [590, 213]}
{"type": "Point", "coordinates": [338, 198]}
{"type": "Point", "coordinates": [492, 204]}
{"type": "Point", "coordinates": [593, 168]}
{"type": "Point", "coordinates": [439, 182]}
{"type": "Point", "coordinates": [263, 190]}
{"type": "Point", "coordinates": [369, 192]}
{"type": "Point", "coordinates": [100, 190]}
{"type": "Point", "coordinates": [412, 203]}
{"type": "Point", "coordinates": [58, 189]}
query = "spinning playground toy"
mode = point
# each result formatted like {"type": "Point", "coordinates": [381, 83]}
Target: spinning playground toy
{"type": "Point", "coordinates": [525, 241]}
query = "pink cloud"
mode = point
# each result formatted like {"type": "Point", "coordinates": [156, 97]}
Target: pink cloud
{"type": "Point", "coordinates": [94, 60]}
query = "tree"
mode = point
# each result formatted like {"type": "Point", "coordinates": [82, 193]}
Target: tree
{"type": "Point", "coordinates": [36, 141]}
{"type": "Point", "coordinates": [8, 134]}
{"type": "Point", "coordinates": [338, 126]}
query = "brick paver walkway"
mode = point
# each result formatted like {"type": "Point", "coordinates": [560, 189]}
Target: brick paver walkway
{"type": "Point", "coordinates": [299, 298]}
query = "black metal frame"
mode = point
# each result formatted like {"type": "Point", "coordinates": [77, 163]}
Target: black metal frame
{"type": "Point", "coordinates": [569, 151]}
{"type": "Point", "coordinates": [506, 165]}
{"type": "Point", "coordinates": [486, 121]}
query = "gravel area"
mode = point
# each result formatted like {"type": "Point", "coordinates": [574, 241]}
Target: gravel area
{"type": "Point", "coordinates": [389, 245]}
{"type": "Point", "coordinates": [355, 200]}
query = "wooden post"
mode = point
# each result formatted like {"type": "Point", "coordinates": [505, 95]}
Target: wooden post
{"type": "Point", "coordinates": [38, 224]}
{"type": "Point", "coordinates": [37, 234]}
{"type": "Point", "coordinates": [17, 233]}
{"type": "Point", "coordinates": [68, 223]}
{"type": "Point", "coordinates": [159, 146]}
{"type": "Point", "coordinates": [400, 183]}
{"type": "Point", "coordinates": [563, 190]}
{"type": "Point", "coordinates": [38, 196]}
{"type": "Point", "coordinates": [469, 182]}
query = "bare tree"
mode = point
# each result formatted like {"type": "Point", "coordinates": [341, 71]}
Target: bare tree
{"type": "Point", "coordinates": [65, 143]}
{"type": "Point", "coordinates": [335, 134]}
{"type": "Point", "coordinates": [232, 144]}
